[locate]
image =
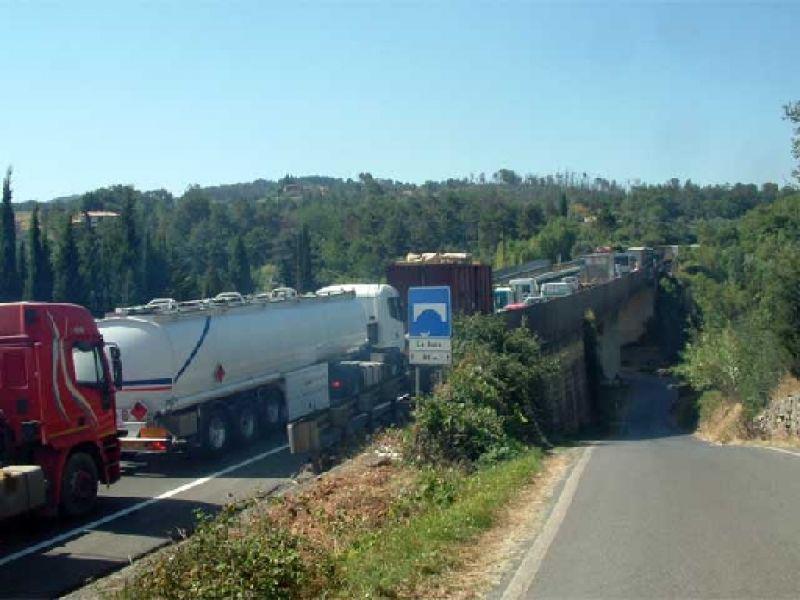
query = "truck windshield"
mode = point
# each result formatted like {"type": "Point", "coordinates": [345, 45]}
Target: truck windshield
{"type": "Point", "coordinates": [88, 365]}
{"type": "Point", "coordinates": [394, 308]}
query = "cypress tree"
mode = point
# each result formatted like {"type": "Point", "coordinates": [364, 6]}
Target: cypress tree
{"type": "Point", "coordinates": [128, 253]}
{"type": "Point", "coordinates": [304, 275]}
{"type": "Point", "coordinates": [47, 269]}
{"type": "Point", "coordinates": [10, 288]}
{"type": "Point", "coordinates": [239, 267]}
{"type": "Point", "coordinates": [22, 267]}
{"type": "Point", "coordinates": [35, 283]}
{"type": "Point", "coordinates": [91, 269]}
{"type": "Point", "coordinates": [68, 285]}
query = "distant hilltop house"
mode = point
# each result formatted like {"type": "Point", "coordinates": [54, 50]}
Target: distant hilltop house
{"type": "Point", "coordinates": [93, 217]}
{"type": "Point", "coordinates": [299, 188]}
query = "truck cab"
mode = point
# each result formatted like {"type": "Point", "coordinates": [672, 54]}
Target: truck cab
{"type": "Point", "coordinates": [381, 304]}
{"type": "Point", "coordinates": [57, 408]}
{"type": "Point", "coordinates": [524, 287]}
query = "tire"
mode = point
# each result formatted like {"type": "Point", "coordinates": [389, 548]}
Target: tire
{"type": "Point", "coordinates": [246, 424]}
{"type": "Point", "coordinates": [274, 410]}
{"type": "Point", "coordinates": [216, 433]}
{"type": "Point", "coordinates": [79, 485]}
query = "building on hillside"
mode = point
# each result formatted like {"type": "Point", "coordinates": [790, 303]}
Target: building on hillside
{"type": "Point", "coordinates": [94, 217]}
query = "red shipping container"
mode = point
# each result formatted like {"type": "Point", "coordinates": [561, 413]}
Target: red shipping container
{"type": "Point", "coordinates": [470, 284]}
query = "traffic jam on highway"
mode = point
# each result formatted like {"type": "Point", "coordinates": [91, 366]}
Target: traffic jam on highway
{"type": "Point", "coordinates": [78, 395]}
{"type": "Point", "coordinates": [543, 284]}
{"type": "Point", "coordinates": [240, 391]}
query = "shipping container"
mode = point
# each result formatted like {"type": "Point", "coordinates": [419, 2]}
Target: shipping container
{"type": "Point", "coordinates": [470, 283]}
{"type": "Point", "coordinates": [598, 268]}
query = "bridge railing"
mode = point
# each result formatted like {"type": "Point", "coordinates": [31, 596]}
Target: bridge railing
{"type": "Point", "coordinates": [562, 318]}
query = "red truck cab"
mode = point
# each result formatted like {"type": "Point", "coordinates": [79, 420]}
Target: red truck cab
{"type": "Point", "coordinates": [57, 407]}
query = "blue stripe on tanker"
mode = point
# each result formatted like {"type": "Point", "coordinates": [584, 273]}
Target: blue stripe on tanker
{"type": "Point", "coordinates": [197, 346]}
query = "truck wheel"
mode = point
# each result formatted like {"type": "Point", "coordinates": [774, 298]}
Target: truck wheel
{"type": "Point", "coordinates": [79, 485]}
{"type": "Point", "coordinates": [216, 432]}
{"type": "Point", "coordinates": [246, 424]}
{"type": "Point", "coordinates": [276, 413]}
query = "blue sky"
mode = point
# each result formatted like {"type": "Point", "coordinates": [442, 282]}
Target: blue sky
{"type": "Point", "coordinates": [166, 94]}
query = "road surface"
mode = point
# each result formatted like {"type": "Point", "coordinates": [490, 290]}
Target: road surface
{"type": "Point", "coordinates": [146, 509]}
{"type": "Point", "coordinates": [657, 514]}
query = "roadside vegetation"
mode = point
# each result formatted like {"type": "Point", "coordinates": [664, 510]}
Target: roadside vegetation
{"type": "Point", "coordinates": [740, 291]}
{"type": "Point", "coordinates": [389, 520]}
{"type": "Point", "coordinates": [731, 312]}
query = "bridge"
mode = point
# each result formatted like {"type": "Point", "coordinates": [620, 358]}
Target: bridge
{"type": "Point", "coordinates": [621, 309]}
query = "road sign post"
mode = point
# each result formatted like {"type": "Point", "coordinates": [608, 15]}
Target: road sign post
{"type": "Point", "coordinates": [430, 328]}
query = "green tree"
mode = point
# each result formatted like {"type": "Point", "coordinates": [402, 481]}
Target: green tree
{"type": "Point", "coordinates": [792, 114]}
{"type": "Point", "coordinates": [239, 267]}
{"type": "Point", "coordinates": [10, 287]}
{"type": "Point", "coordinates": [93, 270]}
{"type": "Point", "coordinates": [303, 267]}
{"type": "Point", "coordinates": [22, 266]}
{"type": "Point", "coordinates": [212, 282]}
{"type": "Point", "coordinates": [38, 285]}
{"type": "Point", "coordinates": [556, 239]}
{"type": "Point", "coordinates": [47, 276]}
{"type": "Point", "coordinates": [68, 285]}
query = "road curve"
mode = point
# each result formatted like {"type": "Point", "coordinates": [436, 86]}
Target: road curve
{"type": "Point", "coordinates": [657, 514]}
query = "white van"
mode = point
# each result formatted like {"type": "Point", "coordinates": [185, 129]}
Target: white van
{"type": "Point", "coordinates": [557, 289]}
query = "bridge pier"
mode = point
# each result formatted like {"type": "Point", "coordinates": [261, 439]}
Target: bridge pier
{"type": "Point", "coordinates": [610, 347]}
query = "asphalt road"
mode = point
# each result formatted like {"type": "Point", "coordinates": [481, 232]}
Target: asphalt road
{"type": "Point", "coordinates": [146, 509]}
{"type": "Point", "coordinates": [656, 514]}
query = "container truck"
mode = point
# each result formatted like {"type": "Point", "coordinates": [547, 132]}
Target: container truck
{"type": "Point", "coordinates": [470, 281]}
{"type": "Point", "coordinates": [58, 436]}
{"type": "Point", "coordinates": [598, 268]}
{"type": "Point", "coordinates": [212, 372]}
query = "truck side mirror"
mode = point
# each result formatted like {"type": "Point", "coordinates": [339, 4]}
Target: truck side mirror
{"type": "Point", "coordinates": [116, 366]}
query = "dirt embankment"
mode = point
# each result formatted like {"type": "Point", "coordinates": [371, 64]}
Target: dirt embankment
{"type": "Point", "coordinates": [724, 421]}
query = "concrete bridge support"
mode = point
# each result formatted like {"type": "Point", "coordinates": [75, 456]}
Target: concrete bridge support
{"type": "Point", "coordinates": [610, 347]}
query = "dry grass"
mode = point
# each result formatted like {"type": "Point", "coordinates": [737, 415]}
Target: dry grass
{"type": "Point", "coordinates": [724, 425]}
{"type": "Point", "coordinates": [481, 565]}
{"type": "Point", "coordinates": [360, 496]}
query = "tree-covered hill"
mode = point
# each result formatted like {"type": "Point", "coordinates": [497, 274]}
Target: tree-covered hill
{"type": "Point", "coordinates": [308, 231]}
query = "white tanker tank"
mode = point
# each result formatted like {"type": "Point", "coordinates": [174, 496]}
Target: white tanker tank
{"type": "Point", "coordinates": [178, 357]}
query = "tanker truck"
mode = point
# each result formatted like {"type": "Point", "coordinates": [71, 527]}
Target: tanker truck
{"type": "Point", "coordinates": [213, 372]}
{"type": "Point", "coordinates": [58, 437]}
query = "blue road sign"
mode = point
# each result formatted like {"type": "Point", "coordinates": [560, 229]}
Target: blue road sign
{"type": "Point", "coordinates": [429, 312]}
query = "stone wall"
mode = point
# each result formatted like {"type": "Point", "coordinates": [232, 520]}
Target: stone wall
{"type": "Point", "coordinates": [781, 419]}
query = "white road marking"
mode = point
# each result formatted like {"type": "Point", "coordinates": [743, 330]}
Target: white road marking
{"type": "Point", "coordinates": [781, 450]}
{"type": "Point", "coordinates": [67, 535]}
{"type": "Point", "coordinates": [529, 568]}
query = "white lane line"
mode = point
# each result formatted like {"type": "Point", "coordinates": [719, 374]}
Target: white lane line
{"type": "Point", "coordinates": [781, 450]}
{"type": "Point", "coordinates": [529, 568]}
{"type": "Point", "coordinates": [67, 535]}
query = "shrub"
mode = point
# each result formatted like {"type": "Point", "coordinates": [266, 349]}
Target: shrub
{"type": "Point", "coordinates": [744, 361]}
{"type": "Point", "coordinates": [447, 430]}
{"type": "Point", "coordinates": [225, 558]}
{"type": "Point", "coordinates": [494, 398]}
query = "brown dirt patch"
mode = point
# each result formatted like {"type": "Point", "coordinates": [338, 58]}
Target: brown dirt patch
{"type": "Point", "coordinates": [360, 496]}
{"type": "Point", "coordinates": [725, 425]}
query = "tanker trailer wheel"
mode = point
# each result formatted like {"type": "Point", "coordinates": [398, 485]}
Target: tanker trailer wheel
{"type": "Point", "coordinates": [216, 432]}
{"type": "Point", "coordinates": [274, 409]}
{"type": "Point", "coordinates": [79, 485]}
{"type": "Point", "coordinates": [246, 423]}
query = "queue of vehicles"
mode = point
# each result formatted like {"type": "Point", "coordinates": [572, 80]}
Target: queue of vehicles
{"type": "Point", "coordinates": [598, 267]}
{"type": "Point", "coordinates": [76, 393]}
